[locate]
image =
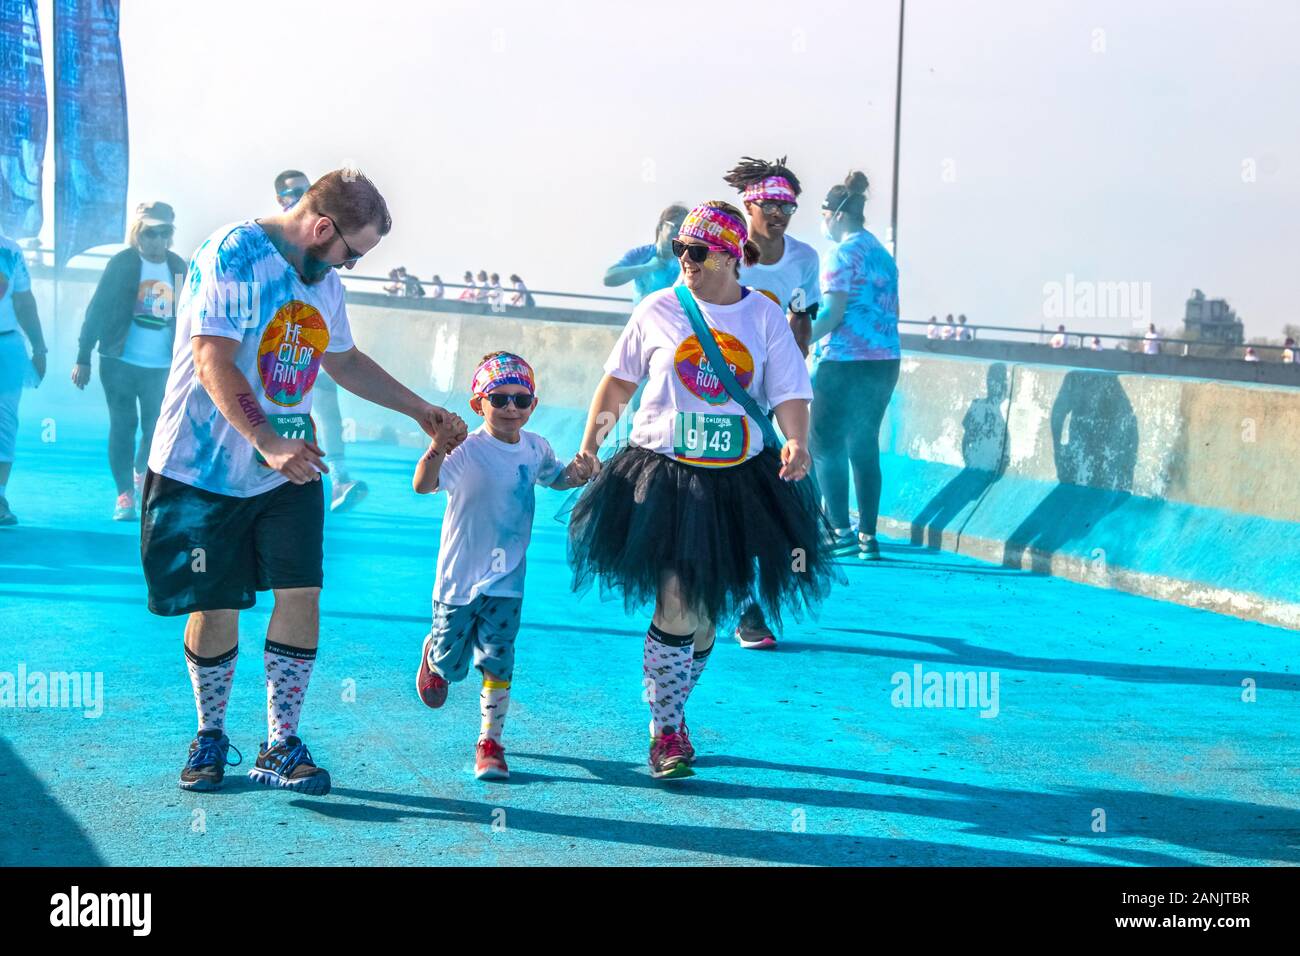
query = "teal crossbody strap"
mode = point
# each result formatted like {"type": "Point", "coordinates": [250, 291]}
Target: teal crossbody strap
{"type": "Point", "coordinates": [721, 369]}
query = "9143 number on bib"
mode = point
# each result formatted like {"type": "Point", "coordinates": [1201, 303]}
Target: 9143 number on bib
{"type": "Point", "coordinates": [701, 438]}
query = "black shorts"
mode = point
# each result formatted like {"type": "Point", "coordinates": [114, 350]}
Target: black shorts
{"type": "Point", "coordinates": [207, 552]}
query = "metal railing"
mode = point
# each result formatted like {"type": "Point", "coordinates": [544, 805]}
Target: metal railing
{"type": "Point", "coordinates": [37, 256]}
{"type": "Point", "coordinates": [1039, 334]}
{"type": "Point", "coordinates": [1131, 342]}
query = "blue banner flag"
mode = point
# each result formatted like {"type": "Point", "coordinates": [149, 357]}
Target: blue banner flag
{"type": "Point", "coordinates": [23, 119]}
{"type": "Point", "coordinates": [90, 131]}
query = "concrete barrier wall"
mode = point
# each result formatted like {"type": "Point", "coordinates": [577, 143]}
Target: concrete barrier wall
{"type": "Point", "coordinates": [1179, 488]}
{"type": "Point", "coordinates": [1176, 488]}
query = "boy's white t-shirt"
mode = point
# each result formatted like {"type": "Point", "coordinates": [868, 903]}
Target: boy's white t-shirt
{"type": "Point", "coordinates": [793, 280]}
{"type": "Point", "coordinates": [489, 518]}
{"type": "Point", "coordinates": [659, 346]}
{"type": "Point", "coordinates": [239, 287]}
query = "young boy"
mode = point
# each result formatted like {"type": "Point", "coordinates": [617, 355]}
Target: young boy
{"type": "Point", "coordinates": [479, 585]}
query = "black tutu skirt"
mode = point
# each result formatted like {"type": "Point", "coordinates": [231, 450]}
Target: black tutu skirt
{"type": "Point", "coordinates": [732, 535]}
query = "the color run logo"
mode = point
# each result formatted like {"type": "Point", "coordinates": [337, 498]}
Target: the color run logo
{"type": "Point", "coordinates": [698, 376]}
{"type": "Point", "coordinates": [288, 357]}
{"type": "Point", "coordinates": [82, 691]}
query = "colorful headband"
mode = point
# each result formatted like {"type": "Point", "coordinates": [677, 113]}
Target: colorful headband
{"type": "Point", "coordinates": [504, 369]}
{"type": "Point", "coordinates": [771, 189]}
{"type": "Point", "coordinates": [719, 229]}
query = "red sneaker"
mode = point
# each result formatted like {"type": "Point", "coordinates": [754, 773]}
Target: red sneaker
{"type": "Point", "coordinates": [429, 684]}
{"type": "Point", "coordinates": [490, 761]}
{"type": "Point", "coordinates": [667, 759]}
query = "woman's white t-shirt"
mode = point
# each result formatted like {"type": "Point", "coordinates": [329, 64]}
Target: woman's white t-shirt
{"type": "Point", "coordinates": [659, 347]}
{"type": "Point", "coordinates": [151, 339]}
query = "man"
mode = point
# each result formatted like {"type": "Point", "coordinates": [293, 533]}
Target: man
{"type": "Point", "coordinates": [653, 266]}
{"type": "Point", "coordinates": [232, 501]}
{"type": "Point", "coordinates": [788, 272]}
{"type": "Point", "coordinates": [290, 186]}
{"type": "Point", "coordinates": [17, 314]}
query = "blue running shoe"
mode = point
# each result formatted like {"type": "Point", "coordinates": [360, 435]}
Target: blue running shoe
{"type": "Point", "coordinates": [206, 766]}
{"type": "Point", "coordinates": [289, 765]}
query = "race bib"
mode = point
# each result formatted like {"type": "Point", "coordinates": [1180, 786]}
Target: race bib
{"type": "Point", "coordinates": [291, 426]}
{"type": "Point", "coordinates": [703, 438]}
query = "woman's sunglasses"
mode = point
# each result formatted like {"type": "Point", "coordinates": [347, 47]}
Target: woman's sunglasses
{"type": "Point", "coordinates": [158, 232]}
{"type": "Point", "coordinates": [697, 253]}
{"type": "Point", "coordinates": [522, 400]}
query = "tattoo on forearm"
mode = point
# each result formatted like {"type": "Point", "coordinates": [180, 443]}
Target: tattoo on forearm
{"type": "Point", "coordinates": [252, 411]}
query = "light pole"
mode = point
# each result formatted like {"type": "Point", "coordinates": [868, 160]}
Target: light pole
{"type": "Point", "coordinates": [898, 119]}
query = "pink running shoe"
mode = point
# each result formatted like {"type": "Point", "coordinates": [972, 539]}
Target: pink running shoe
{"type": "Point", "coordinates": [490, 761]}
{"type": "Point", "coordinates": [668, 759]}
{"type": "Point", "coordinates": [429, 684]}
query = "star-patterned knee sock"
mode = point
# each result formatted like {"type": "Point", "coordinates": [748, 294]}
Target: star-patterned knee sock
{"type": "Point", "coordinates": [493, 702]}
{"type": "Point", "coordinates": [666, 665]}
{"type": "Point", "coordinates": [288, 669]}
{"type": "Point", "coordinates": [211, 677]}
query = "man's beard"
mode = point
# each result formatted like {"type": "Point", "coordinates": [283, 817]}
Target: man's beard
{"type": "Point", "coordinates": [314, 268]}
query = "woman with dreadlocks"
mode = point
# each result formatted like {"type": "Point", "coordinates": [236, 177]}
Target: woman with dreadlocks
{"type": "Point", "coordinates": [857, 367]}
{"type": "Point", "coordinates": [705, 511]}
{"type": "Point", "coordinates": [786, 272]}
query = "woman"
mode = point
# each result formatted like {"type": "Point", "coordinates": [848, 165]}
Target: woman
{"type": "Point", "coordinates": [522, 297]}
{"type": "Point", "coordinates": [470, 294]}
{"type": "Point", "coordinates": [438, 289]}
{"type": "Point", "coordinates": [132, 319]}
{"type": "Point", "coordinates": [701, 513]}
{"type": "Point", "coordinates": [18, 319]}
{"type": "Point", "coordinates": [857, 367]}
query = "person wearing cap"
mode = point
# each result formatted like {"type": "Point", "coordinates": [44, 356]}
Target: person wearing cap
{"type": "Point", "coordinates": [857, 366]}
{"type": "Point", "coordinates": [18, 317]}
{"type": "Point", "coordinates": [346, 492]}
{"type": "Point", "coordinates": [233, 503]}
{"type": "Point", "coordinates": [701, 514]}
{"type": "Point", "coordinates": [132, 319]}
{"type": "Point", "coordinates": [787, 273]}
{"type": "Point", "coordinates": [653, 266]}
{"type": "Point", "coordinates": [478, 588]}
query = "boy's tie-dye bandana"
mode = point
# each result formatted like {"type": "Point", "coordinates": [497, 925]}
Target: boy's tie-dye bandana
{"type": "Point", "coordinates": [504, 369]}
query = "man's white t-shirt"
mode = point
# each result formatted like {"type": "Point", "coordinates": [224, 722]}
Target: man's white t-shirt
{"type": "Point", "coordinates": [13, 278]}
{"type": "Point", "coordinates": [1151, 344]}
{"type": "Point", "coordinates": [490, 486]}
{"type": "Point", "coordinates": [151, 339]}
{"type": "Point", "coordinates": [239, 287]}
{"type": "Point", "coordinates": [659, 346]}
{"type": "Point", "coordinates": [794, 281]}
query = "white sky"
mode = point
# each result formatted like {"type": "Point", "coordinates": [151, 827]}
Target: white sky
{"type": "Point", "coordinates": [1041, 138]}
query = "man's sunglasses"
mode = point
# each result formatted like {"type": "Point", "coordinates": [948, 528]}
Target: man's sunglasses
{"type": "Point", "coordinates": [158, 232]}
{"type": "Point", "coordinates": [353, 255]}
{"type": "Point", "coordinates": [770, 206]}
{"type": "Point", "coordinates": [522, 400]}
{"type": "Point", "coordinates": [696, 252]}
{"type": "Point", "coordinates": [293, 192]}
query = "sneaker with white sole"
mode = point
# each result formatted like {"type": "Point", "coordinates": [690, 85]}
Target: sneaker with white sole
{"type": "Point", "coordinates": [7, 517]}
{"type": "Point", "coordinates": [668, 757]}
{"type": "Point", "coordinates": [288, 765]}
{"type": "Point", "coordinates": [124, 510]}
{"type": "Point", "coordinates": [347, 495]}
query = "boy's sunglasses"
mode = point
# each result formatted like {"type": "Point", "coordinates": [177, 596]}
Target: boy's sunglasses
{"type": "Point", "coordinates": [522, 400]}
{"type": "Point", "coordinates": [697, 253]}
{"type": "Point", "coordinates": [770, 206]}
{"type": "Point", "coordinates": [158, 232]}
